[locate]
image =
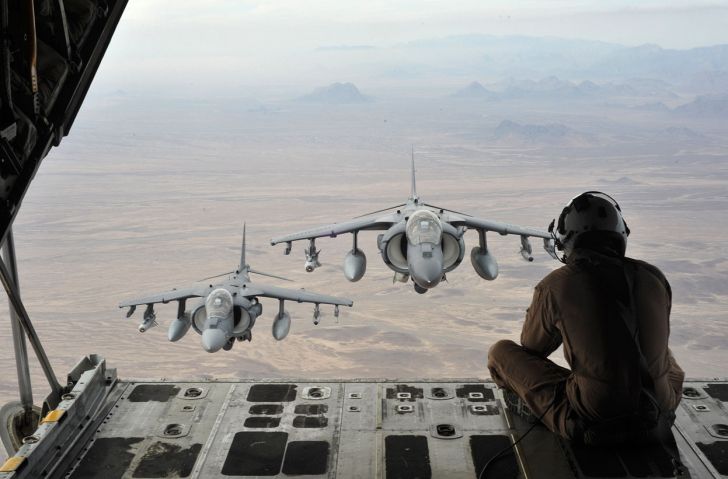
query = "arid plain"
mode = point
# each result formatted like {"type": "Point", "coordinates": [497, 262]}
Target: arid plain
{"type": "Point", "coordinates": [144, 196]}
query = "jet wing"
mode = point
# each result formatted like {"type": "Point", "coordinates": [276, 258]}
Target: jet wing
{"type": "Point", "coordinates": [167, 296]}
{"type": "Point", "coordinates": [298, 295]}
{"type": "Point", "coordinates": [372, 222]}
{"type": "Point", "coordinates": [501, 228]}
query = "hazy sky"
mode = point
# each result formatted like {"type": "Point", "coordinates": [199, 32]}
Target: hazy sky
{"type": "Point", "coordinates": [295, 24]}
{"type": "Point", "coordinates": [169, 42]}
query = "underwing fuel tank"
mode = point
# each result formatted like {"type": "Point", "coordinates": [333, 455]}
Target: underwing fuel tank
{"type": "Point", "coordinates": [484, 263]}
{"type": "Point", "coordinates": [281, 325]}
{"type": "Point", "coordinates": [179, 327]}
{"type": "Point", "coordinates": [355, 265]}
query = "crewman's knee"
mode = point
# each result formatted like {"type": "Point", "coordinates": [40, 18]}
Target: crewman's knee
{"type": "Point", "coordinates": [500, 352]}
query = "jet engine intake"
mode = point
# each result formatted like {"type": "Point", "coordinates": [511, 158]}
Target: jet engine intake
{"type": "Point", "coordinates": [198, 315]}
{"type": "Point", "coordinates": [244, 314]}
{"type": "Point", "coordinates": [241, 320]}
{"type": "Point", "coordinates": [393, 246]}
{"type": "Point", "coordinates": [355, 265]}
{"type": "Point", "coordinates": [453, 247]}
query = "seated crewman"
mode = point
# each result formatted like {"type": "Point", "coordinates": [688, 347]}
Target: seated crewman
{"type": "Point", "coordinates": [612, 315]}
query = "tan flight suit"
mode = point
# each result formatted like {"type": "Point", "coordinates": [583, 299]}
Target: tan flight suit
{"type": "Point", "coordinates": [572, 306]}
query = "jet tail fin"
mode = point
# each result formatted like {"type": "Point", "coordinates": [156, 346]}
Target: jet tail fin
{"type": "Point", "coordinates": [242, 253]}
{"type": "Point", "coordinates": [413, 190]}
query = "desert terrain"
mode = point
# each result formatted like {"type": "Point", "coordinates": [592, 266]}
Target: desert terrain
{"type": "Point", "coordinates": [145, 196]}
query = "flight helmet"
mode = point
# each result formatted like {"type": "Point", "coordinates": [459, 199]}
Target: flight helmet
{"type": "Point", "coordinates": [592, 215]}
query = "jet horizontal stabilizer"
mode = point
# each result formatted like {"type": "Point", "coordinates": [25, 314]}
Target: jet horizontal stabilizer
{"type": "Point", "coordinates": [215, 276]}
{"type": "Point", "coordinates": [254, 271]}
{"type": "Point", "coordinates": [380, 211]}
{"type": "Point", "coordinates": [447, 209]}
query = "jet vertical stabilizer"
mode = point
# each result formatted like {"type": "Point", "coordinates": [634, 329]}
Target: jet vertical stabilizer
{"type": "Point", "coordinates": [242, 265]}
{"type": "Point", "coordinates": [413, 191]}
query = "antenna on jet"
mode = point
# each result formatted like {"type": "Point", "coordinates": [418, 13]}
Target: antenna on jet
{"type": "Point", "coordinates": [413, 192]}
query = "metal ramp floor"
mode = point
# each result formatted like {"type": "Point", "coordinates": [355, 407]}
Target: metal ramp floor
{"type": "Point", "coordinates": [107, 428]}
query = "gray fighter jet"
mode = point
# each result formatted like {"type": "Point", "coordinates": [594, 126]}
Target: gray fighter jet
{"type": "Point", "coordinates": [228, 310]}
{"type": "Point", "coordinates": [420, 241]}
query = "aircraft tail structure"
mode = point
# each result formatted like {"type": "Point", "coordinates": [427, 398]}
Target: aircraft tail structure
{"type": "Point", "coordinates": [242, 265]}
{"type": "Point", "coordinates": [413, 191]}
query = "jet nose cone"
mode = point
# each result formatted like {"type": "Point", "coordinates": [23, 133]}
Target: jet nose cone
{"type": "Point", "coordinates": [427, 274]}
{"type": "Point", "coordinates": [213, 340]}
{"type": "Point", "coordinates": [428, 283]}
{"type": "Point", "coordinates": [425, 264]}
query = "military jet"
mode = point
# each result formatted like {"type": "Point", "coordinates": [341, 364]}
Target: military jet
{"type": "Point", "coordinates": [421, 241]}
{"type": "Point", "coordinates": [228, 310]}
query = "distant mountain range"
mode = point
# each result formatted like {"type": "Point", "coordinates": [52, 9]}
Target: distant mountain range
{"type": "Point", "coordinates": [656, 107]}
{"type": "Point", "coordinates": [336, 94]}
{"type": "Point", "coordinates": [511, 133]}
{"type": "Point", "coordinates": [682, 134]}
{"type": "Point", "coordinates": [709, 81]}
{"type": "Point", "coordinates": [656, 62]}
{"type": "Point", "coordinates": [555, 134]}
{"type": "Point", "coordinates": [474, 90]}
{"type": "Point", "coordinates": [706, 106]}
{"type": "Point", "coordinates": [553, 87]}
{"type": "Point", "coordinates": [487, 56]}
